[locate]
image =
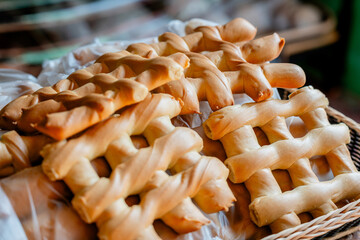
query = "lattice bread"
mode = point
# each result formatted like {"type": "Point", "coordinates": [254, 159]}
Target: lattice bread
{"type": "Point", "coordinates": [228, 63]}
{"type": "Point", "coordinates": [101, 200]}
{"type": "Point", "coordinates": [251, 164]}
{"type": "Point", "coordinates": [209, 63]}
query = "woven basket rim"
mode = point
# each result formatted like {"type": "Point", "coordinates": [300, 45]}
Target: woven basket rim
{"type": "Point", "coordinates": [321, 225]}
{"type": "Point", "coordinates": [340, 116]}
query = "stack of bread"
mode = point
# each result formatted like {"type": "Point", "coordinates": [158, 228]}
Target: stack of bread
{"type": "Point", "coordinates": [106, 139]}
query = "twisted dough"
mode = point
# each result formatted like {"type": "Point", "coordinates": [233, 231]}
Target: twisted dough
{"type": "Point", "coordinates": [130, 221]}
{"type": "Point", "coordinates": [91, 95]}
{"type": "Point", "coordinates": [227, 46]}
{"type": "Point", "coordinates": [204, 38]}
{"type": "Point", "coordinates": [207, 198]}
{"type": "Point", "coordinates": [204, 81]}
{"type": "Point", "coordinates": [185, 217]}
{"type": "Point", "coordinates": [73, 165]}
{"type": "Point", "coordinates": [125, 180]}
{"type": "Point", "coordinates": [19, 152]}
{"type": "Point", "coordinates": [87, 146]}
{"type": "Point", "coordinates": [268, 208]}
{"type": "Point", "coordinates": [161, 134]}
{"type": "Point", "coordinates": [228, 67]}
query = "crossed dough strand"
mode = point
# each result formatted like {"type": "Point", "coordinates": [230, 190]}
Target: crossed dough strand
{"type": "Point", "coordinates": [75, 157]}
{"type": "Point", "coordinates": [300, 171]}
{"type": "Point", "coordinates": [261, 183]}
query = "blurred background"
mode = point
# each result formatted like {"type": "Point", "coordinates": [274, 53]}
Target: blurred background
{"type": "Point", "coordinates": [322, 36]}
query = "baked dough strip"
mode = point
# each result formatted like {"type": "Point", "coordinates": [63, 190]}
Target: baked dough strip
{"type": "Point", "coordinates": [305, 198]}
{"type": "Point", "coordinates": [282, 154]}
{"type": "Point", "coordinates": [204, 81]}
{"type": "Point", "coordinates": [130, 221]}
{"type": "Point", "coordinates": [185, 217]}
{"type": "Point", "coordinates": [206, 199]}
{"type": "Point", "coordinates": [94, 93]}
{"type": "Point", "coordinates": [90, 95]}
{"type": "Point", "coordinates": [18, 152]}
{"type": "Point", "coordinates": [222, 121]}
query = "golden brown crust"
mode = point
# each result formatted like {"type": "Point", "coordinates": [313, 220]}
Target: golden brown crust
{"type": "Point", "coordinates": [115, 81]}
{"type": "Point", "coordinates": [57, 165]}
{"type": "Point", "coordinates": [207, 198]}
{"type": "Point", "coordinates": [21, 152]}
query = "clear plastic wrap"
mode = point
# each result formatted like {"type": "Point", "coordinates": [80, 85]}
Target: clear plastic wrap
{"type": "Point", "coordinates": [35, 207]}
{"type": "Point", "coordinates": [10, 226]}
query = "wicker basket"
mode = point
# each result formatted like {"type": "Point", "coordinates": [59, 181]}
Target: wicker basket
{"type": "Point", "coordinates": [342, 221]}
